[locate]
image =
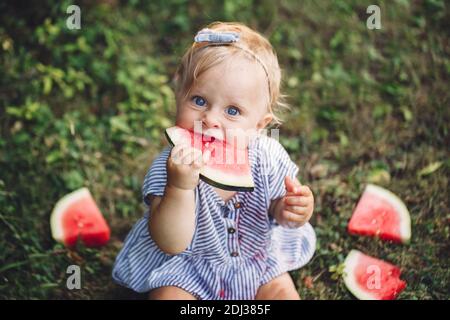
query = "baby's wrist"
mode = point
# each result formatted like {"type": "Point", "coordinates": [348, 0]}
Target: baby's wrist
{"type": "Point", "coordinates": [179, 185]}
{"type": "Point", "coordinates": [174, 189]}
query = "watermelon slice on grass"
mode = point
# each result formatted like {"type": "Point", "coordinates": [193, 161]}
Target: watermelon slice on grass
{"type": "Point", "coordinates": [380, 213]}
{"type": "Point", "coordinates": [77, 216]}
{"type": "Point", "coordinates": [228, 166]}
{"type": "Point", "coordinates": [369, 278]}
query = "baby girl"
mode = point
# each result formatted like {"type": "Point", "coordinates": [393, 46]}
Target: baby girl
{"type": "Point", "coordinates": [200, 242]}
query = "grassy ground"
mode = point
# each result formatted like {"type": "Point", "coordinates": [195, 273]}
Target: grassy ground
{"type": "Point", "coordinates": [87, 108]}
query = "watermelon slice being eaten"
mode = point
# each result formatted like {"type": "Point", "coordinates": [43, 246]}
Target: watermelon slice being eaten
{"type": "Point", "coordinates": [369, 278]}
{"type": "Point", "coordinates": [228, 166]}
{"type": "Point", "coordinates": [381, 213]}
{"type": "Point", "coordinates": [77, 216]}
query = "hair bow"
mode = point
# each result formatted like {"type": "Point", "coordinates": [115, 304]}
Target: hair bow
{"type": "Point", "coordinates": [208, 35]}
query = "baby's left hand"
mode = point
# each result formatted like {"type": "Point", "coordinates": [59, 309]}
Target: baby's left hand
{"type": "Point", "coordinates": [296, 207]}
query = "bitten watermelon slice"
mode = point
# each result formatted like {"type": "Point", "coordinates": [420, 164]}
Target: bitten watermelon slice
{"type": "Point", "coordinates": [381, 213]}
{"type": "Point", "coordinates": [369, 278]}
{"type": "Point", "coordinates": [76, 216]}
{"type": "Point", "coordinates": [228, 166]}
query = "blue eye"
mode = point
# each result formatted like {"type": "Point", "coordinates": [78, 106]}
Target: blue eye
{"type": "Point", "coordinates": [199, 101]}
{"type": "Point", "coordinates": [233, 111]}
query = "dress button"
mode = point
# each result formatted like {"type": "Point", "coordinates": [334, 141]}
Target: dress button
{"type": "Point", "coordinates": [231, 230]}
{"type": "Point", "coordinates": [234, 254]}
{"type": "Point", "coordinates": [237, 205]}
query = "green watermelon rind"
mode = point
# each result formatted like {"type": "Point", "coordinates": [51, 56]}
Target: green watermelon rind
{"type": "Point", "coordinates": [60, 208]}
{"type": "Point", "coordinates": [350, 282]}
{"type": "Point", "coordinates": [225, 186]}
{"type": "Point", "coordinates": [351, 263]}
{"type": "Point", "coordinates": [400, 208]}
{"type": "Point", "coordinates": [211, 176]}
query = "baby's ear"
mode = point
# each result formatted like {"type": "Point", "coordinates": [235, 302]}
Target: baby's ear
{"type": "Point", "coordinates": [264, 121]}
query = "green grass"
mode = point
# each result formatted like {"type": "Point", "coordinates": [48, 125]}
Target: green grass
{"type": "Point", "coordinates": [88, 108]}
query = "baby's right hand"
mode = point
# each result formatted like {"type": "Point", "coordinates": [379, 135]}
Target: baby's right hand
{"type": "Point", "coordinates": [183, 166]}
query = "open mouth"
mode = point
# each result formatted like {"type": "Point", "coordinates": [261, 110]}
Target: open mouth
{"type": "Point", "coordinates": [210, 135]}
{"type": "Point", "coordinates": [207, 138]}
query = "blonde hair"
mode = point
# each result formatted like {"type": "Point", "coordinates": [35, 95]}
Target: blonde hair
{"type": "Point", "coordinates": [196, 61]}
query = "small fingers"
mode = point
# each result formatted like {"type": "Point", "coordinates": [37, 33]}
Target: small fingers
{"type": "Point", "coordinates": [174, 151]}
{"type": "Point", "coordinates": [199, 159]}
{"type": "Point", "coordinates": [297, 210]}
{"type": "Point", "coordinates": [304, 190]}
{"type": "Point", "coordinates": [294, 218]}
{"type": "Point", "coordinates": [296, 201]}
{"type": "Point", "coordinates": [183, 154]}
{"type": "Point", "coordinates": [190, 156]}
{"type": "Point", "coordinates": [300, 191]}
{"type": "Point", "coordinates": [177, 153]}
{"type": "Point", "coordinates": [290, 184]}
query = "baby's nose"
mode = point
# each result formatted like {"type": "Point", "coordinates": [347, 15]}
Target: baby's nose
{"type": "Point", "coordinates": [210, 120]}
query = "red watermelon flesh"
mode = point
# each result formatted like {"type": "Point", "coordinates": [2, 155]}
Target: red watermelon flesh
{"type": "Point", "coordinates": [369, 278]}
{"type": "Point", "coordinates": [382, 214]}
{"type": "Point", "coordinates": [228, 166]}
{"type": "Point", "coordinates": [77, 216]}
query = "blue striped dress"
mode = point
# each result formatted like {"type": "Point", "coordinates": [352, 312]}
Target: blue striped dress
{"type": "Point", "coordinates": [236, 247]}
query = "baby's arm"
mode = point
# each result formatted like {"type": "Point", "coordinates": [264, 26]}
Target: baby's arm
{"type": "Point", "coordinates": [172, 219]}
{"type": "Point", "coordinates": [171, 225]}
{"type": "Point", "coordinates": [296, 207]}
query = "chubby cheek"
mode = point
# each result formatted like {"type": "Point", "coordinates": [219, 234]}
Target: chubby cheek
{"type": "Point", "coordinates": [185, 118]}
{"type": "Point", "coordinates": [241, 135]}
